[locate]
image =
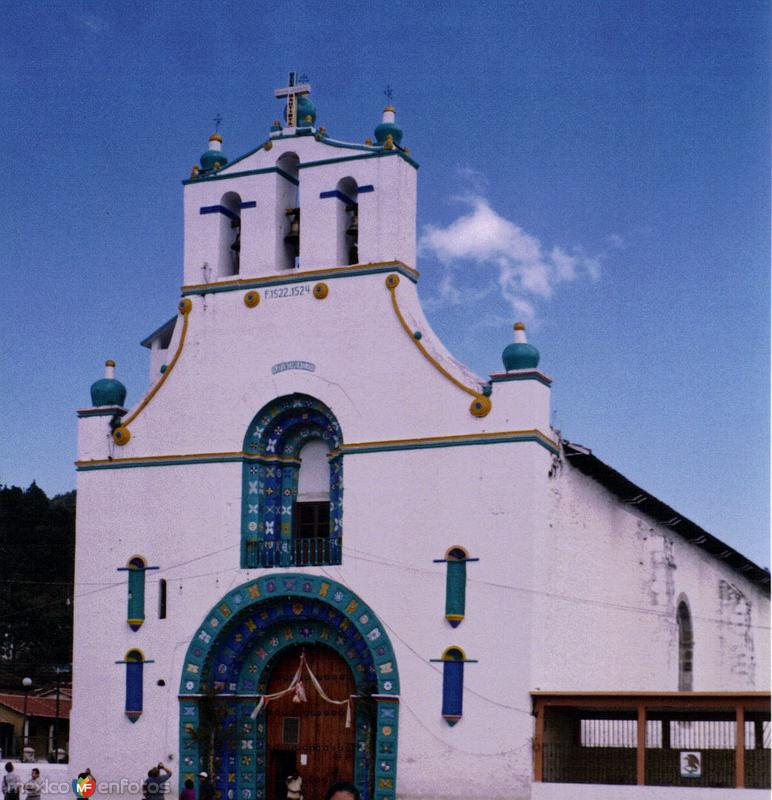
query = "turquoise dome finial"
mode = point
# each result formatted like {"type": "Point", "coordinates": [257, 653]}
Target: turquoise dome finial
{"type": "Point", "coordinates": [306, 112]}
{"type": "Point", "coordinates": [388, 127]}
{"type": "Point", "coordinates": [108, 391]}
{"type": "Point", "coordinates": [214, 158]}
{"type": "Point", "coordinates": [520, 354]}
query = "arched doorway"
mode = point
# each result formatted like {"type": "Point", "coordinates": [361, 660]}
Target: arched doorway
{"type": "Point", "coordinates": [244, 648]}
{"type": "Point", "coordinates": [309, 738]}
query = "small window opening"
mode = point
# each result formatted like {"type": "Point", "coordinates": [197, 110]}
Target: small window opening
{"type": "Point", "coordinates": [348, 221]}
{"type": "Point", "coordinates": [230, 234]}
{"type": "Point", "coordinates": [291, 730]}
{"type": "Point", "coordinates": [162, 598]}
{"type": "Point", "coordinates": [312, 520]}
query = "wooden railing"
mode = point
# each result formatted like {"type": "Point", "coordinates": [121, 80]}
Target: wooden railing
{"type": "Point", "coordinates": [656, 739]}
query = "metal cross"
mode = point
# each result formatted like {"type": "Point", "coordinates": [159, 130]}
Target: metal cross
{"type": "Point", "coordinates": [291, 92]}
{"type": "Point", "coordinates": [217, 121]}
{"type": "Point", "coordinates": [389, 92]}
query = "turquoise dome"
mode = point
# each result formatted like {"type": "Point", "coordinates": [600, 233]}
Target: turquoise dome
{"type": "Point", "coordinates": [108, 392]}
{"type": "Point", "coordinates": [305, 109]}
{"type": "Point", "coordinates": [386, 128]}
{"type": "Point", "coordinates": [212, 157]}
{"type": "Point", "coordinates": [520, 355]}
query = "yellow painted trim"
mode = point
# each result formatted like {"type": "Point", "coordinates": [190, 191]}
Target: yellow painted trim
{"type": "Point", "coordinates": [454, 617]}
{"type": "Point", "coordinates": [342, 449]}
{"type": "Point", "coordinates": [183, 456]}
{"type": "Point", "coordinates": [236, 454]}
{"type": "Point", "coordinates": [134, 649]}
{"type": "Point", "coordinates": [136, 557]}
{"type": "Point", "coordinates": [453, 647]}
{"type": "Point", "coordinates": [263, 457]}
{"type": "Point", "coordinates": [184, 307]}
{"type": "Point", "coordinates": [460, 437]}
{"type": "Point", "coordinates": [295, 275]}
{"type": "Point", "coordinates": [480, 399]}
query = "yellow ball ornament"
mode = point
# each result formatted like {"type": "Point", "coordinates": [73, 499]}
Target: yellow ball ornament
{"type": "Point", "coordinates": [121, 435]}
{"type": "Point", "coordinates": [481, 406]}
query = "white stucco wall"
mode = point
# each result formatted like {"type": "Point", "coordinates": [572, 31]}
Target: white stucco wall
{"type": "Point", "coordinates": [609, 573]}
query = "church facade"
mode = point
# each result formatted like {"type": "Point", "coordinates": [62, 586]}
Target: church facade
{"type": "Point", "coordinates": [340, 554]}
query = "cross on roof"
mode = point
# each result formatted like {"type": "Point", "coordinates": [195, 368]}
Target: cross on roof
{"type": "Point", "coordinates": [291, 92]}
{"type": "Point", "coordinates": [217, 121]}
{"type": "Point", "coordinates": [389, 92]}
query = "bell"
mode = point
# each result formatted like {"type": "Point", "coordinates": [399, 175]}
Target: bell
{"type": "Point", "coordinates": [294, 230]}
{"type": "Point", "coordinates": [353, 225]}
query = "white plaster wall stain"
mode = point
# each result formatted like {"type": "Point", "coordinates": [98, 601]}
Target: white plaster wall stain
{"type": "Point", "coordinates": [658, 583]}
{"type": "Point", "coordinates": [735, 633]}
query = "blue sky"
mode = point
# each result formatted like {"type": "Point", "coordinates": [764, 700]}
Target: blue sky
{"type": "Point", "coordinates": [600, 172]}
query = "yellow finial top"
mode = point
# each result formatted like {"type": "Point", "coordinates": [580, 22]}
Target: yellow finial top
{"type": "Point", "coordinates": [109, 363]}
{"type": "Point", "coordinates": [215, 137]}
{"type": "Point", "coordinates": [519, 326]}
{"type": "Point", "coordinates": [390, 108]}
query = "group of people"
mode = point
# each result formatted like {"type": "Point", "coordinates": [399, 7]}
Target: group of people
{"type": "Point", "coordinates": [154, 787]}
{"type": "Point", "coordinates": [12, 784]}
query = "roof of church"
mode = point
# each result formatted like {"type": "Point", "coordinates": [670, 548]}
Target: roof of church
{"type": "Point", "coordinates": [629, 493]}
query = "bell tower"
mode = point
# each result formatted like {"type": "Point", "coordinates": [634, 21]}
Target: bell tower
{"type": "Point", "coordinates": [300, 201]}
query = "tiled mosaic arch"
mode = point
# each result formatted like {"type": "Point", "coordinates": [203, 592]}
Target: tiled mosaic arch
{"type": "Point", "coordinates": [272, 444]}
{"type": "Point", "coordinates": [237, 641]}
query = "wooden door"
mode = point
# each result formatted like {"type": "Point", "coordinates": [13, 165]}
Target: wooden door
{"type": "Point", "coordinates": [315, 731]}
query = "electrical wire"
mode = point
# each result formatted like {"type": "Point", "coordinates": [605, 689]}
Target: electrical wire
{"type": "Point", "coordinates": [375, 559]}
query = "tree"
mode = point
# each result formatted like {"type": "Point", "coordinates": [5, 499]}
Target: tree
{"type": "Point", "coordinates": [37, 558]}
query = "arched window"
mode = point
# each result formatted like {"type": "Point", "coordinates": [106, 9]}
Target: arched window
{"type": "Point", "coordinates": [136, 613]}
{"type": "Point", "coordinates": [136, 569]}
{"type": "Point", "coordinates": [134, 661]}
{"type": "Point", "coordinates": [311, 515]}
{"type": "Point", "coordinates": [229, 251]}
{"type": "Point", "coordinates": [288, 211]}
{"type": "Point", "coordinates": [456, 559]}
{"type": "Point", "coordinates": [685, 647]}
{"type": "Point", "coordinates": [292, 486]}
{"type": "Point", "coordinates": [453, 660]}
{"type": "Point", "coordinates": [347, 222]}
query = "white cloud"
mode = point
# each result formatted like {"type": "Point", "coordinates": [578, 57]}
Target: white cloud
{"type": "Point", "coordinates": [524, 269]}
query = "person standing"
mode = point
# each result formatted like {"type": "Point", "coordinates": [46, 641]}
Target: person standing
{"type": "Point", "coordinates": [11, 783]}
{"type": "Point", "coordinates": [205, 790]}
{"type": "Point", "coordinates": [155, 784]}
{"type": "Point", "coordinates": [189, 792]}
{"type": "Point", "coordinates": [32, 787]}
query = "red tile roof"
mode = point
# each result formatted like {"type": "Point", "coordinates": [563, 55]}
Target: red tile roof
{"type": "Point", "coordinates": [37, 706]}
